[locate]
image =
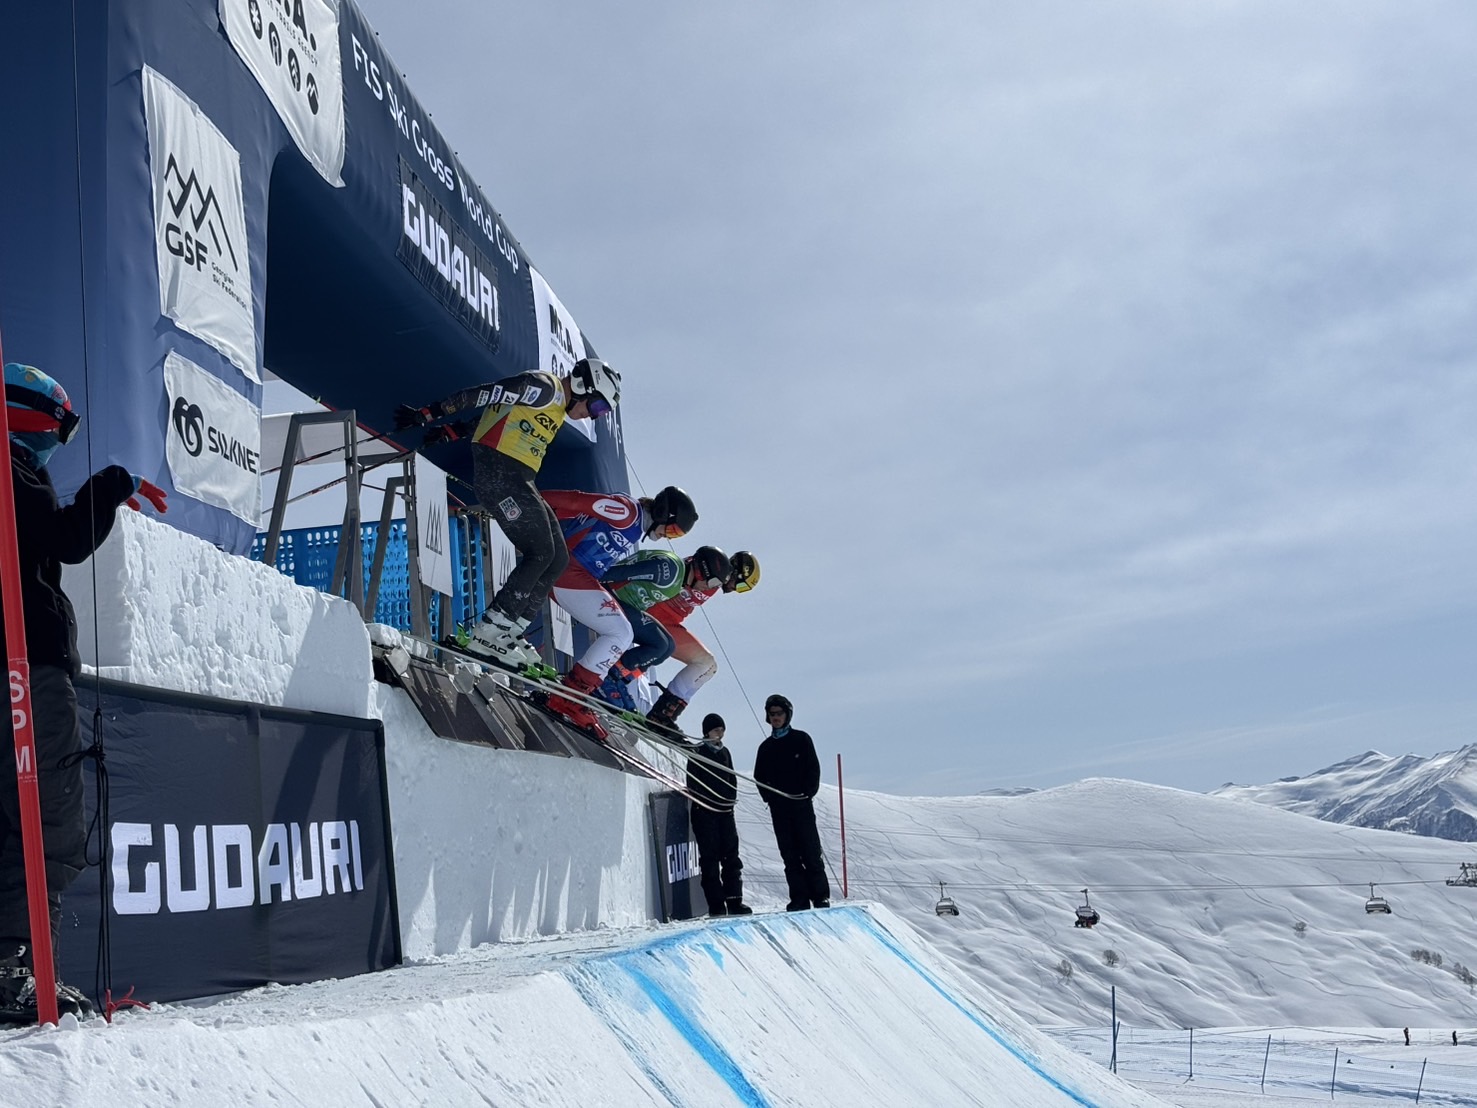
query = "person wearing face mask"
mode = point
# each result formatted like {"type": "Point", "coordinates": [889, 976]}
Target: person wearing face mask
{"type": "Point", "coordinates": [41, 420]}
{"type": "Point", "coordinates": [720, 868]}
{"type": "Point", "coordinates": [787, 763]}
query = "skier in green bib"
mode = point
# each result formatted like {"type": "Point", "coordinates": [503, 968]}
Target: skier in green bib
{"type": "Point", "coordinates": [648, 579]}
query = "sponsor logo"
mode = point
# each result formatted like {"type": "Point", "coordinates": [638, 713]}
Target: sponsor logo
{"type": "Point", "coordinates": [510, 509]}
{"type": "Point", "coordinates": [189, 420]}
{"type": "Point", "coordinates": [614, 510]}
{"type": "Point", "coordinates": [231, 865]}
{"type": "Point", "coordinates": [436, 529]}
{"type": "Point", "coordinates": [681, 862]}
{"type": "Point", "coordinates": [201, 233]}
{"type": "Point", "coordinates": [446, 260]}
{"type": "Point", "coordinates": [294, 28]}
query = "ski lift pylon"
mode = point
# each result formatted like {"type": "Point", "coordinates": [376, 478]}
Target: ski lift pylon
{"type": "Point", "coordinates": [946, 905]}
{"type": "Point", "coordinates": [1376, 903]}
{"type": "Point", "coordinates": [1087, 915]}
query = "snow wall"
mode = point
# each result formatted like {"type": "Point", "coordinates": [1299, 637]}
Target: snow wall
{"type": "Point", "coordinates": [489, 844]}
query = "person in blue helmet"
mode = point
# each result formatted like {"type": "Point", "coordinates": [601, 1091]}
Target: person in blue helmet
{"type": "Point", "coordinates": [41, 420]}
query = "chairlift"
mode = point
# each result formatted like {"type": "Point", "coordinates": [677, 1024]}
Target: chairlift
{"type": "Point", "coordinates": [1466, 878]}
{"type": "Point", "coordinates": [1376, 903]}
{"type": "Point", "coordinates": [1087, 915]}
{"type": "Point", "coordinates": [946, 905]}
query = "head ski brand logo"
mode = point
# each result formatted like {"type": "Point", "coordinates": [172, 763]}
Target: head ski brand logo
{"type": "Point", "coordinates": [189, 424]}
{"type": "Point", "coordinates": [196, 231]}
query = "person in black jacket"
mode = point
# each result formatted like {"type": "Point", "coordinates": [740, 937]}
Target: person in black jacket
{"type": "Point", "coordinates": [722, 871]}
{"type": "Point", "coordinates": [786, 762]}
{"type": "Point", "coordinates": [40, 419]}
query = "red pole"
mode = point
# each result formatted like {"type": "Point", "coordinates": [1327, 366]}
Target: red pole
{"type": "Point", "coordinates": [841, 800]}
{"type": "Point", "coordinates": [25, 742]}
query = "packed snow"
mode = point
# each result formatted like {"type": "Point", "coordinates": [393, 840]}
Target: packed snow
{"type": "Point", "coordinates": [1238, 920]}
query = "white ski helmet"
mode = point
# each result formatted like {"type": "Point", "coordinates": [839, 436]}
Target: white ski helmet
{"type": "Point", "coordinates": [591, 375]}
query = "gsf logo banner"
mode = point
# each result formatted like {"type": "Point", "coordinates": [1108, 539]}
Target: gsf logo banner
{"type": "Point", "coordinates": [199, 225]}
{"type": "Point", "coordinates": [292, 49]}
{"type": "Point", "coordinates": [214, 439]}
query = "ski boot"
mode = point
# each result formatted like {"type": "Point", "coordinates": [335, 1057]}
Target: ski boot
{"type": "Point", "coordinates": [616, 688]}
{"type": "Point", "coordinates": [18, 992]}
{"type": "Point", "coordinates": [583, 681]}
{"type": "Point", "coordinates": [664, 713]}
{"type": "Point", "coordinates": [499, 639]}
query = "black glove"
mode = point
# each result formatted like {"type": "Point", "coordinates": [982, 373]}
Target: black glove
{"type": "Point", "coordinates": [451, 432]}
{"type": "Point", "coordinates": [407, 416]}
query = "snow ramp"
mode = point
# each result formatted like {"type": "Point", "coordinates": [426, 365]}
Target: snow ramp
{"type": "Point", "coordinates": [839, 1007]}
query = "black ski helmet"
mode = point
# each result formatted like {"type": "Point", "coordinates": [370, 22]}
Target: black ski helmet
{"type": "Point", "coordinates": [672, 508]}
{"type": "Point", "coordinates": [743, 572]}
{"type": "Point", "coordinates": [775, 700]}
{"type": "Point", "coordinates": [711, 566]}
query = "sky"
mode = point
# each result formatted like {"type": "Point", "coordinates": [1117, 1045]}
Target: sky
{"type": "Point", "coordinates": [1094, 383]}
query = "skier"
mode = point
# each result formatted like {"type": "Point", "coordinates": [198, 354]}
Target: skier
{"type": "Point", "coordinates": [649, 579]}
{"type": "Point", "coordinates": [41, 419]}
{"type": "Point", "coordinates": [722, 871]}
{"type": "Point", "coordinates": [700, 665]}
{"type": "Point", "coordinates": [786, 762]}
{"type": "Point", "coordinates": [518, 418]}
{"type": "Point", "coordinates": [601, 530]}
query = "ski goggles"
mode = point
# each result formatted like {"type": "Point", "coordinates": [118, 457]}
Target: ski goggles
{"type": "Point", "coordinates": [39, 412]}
{"type": "Point", "coordinates": [599, 406]}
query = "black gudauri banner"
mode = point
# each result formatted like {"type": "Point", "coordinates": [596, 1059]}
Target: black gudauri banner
{"type": "Point", "coordinates": [676, 857]}
{"type": "Point", "coordinates": [245, 845]}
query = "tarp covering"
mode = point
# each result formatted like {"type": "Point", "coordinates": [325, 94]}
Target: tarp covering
{"type": "Point", "coordinates": [249, 185]}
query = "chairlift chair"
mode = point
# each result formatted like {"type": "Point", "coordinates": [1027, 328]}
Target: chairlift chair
{"type": "Point", "coordinates": [946, 905]}
{"type": "Point", "coordinates": [1376, 903]}
{"type": "Point", "coordinates": [1087, 915]}
{"type": "Point", "coordinates": [1466, 877]}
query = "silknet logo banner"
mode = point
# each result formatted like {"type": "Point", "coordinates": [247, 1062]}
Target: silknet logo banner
{"type": "Point", "coordinates": [245, 845]}
{"type": "Point", "coordinates": [677, 874]}
{"type": "Point", "coordinates": [214, 440]}
{"type": "Point", "coordinates": [291, 48]}
{"type": "Point", "coordinates": [199, 225]}
{"type": "Point", "coordinates": [433, 532]}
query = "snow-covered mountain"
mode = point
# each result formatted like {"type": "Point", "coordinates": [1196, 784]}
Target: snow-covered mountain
{"type": "Point", "coordinates": [1435, 796]}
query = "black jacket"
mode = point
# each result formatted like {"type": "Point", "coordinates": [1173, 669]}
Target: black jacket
{"type": "Point", "coordinates": [48, 535]}
{"type": "Point", "coordinates": [715, 786]}
{"type": "Point", "coordinates": [788, 763]}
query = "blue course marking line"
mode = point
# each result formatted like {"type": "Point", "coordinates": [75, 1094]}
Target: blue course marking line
{"type": "Point", "coordinates": [719, 1059]}
{"type": "Point", "coordinates": [876, 930]}
{"type": "Point", "coordinates": [584, 984]}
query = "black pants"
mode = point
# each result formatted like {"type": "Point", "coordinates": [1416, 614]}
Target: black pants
{"type": "Point", "coordinates": [800, 848]}
{"type": "Point", "coordinates": [720, 868]}
{"type": "Point", "coordinates": [505, 490]}
{"type": "Point", "coordinates": [63, 829]}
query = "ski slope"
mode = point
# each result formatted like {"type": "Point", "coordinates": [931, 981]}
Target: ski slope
{"type": "Point", "coordinates": [844, 1007]}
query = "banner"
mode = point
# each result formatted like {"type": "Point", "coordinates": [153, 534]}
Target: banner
{"type": "Point", "coordinates": [247, 845]}
{"type": "Point", "coordinates": [292, 49]}
{"type": "Point", "coordinates": [433, 531]}
{"type": "Point", "coordinates": [447, 260]}
{"type": "Point", "coordinates": [214, 439]}
{"type": "Point", "coordinates": [677, 874]}
{"type": "Point", "coordinates": [199, 225]}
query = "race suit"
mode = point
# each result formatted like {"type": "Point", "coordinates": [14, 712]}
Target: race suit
{"type": "Point", "coordinates": [700, 665]}
{"type": "Point", "coordinates": [600, 530]}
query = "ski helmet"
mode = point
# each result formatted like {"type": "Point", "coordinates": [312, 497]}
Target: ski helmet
{"type": "Point", "coordinates": [671, 508]}
{"type": "Point", "coordinates": [594, 380]}
{"type": "Point", "coordinates": [743, 572]}
{"type": "Point", "coordinates": [710, 565]}
{"type": "Point", "coordinates": [34, 402]}
{"type": "Point", "coordinates": [775, 700]}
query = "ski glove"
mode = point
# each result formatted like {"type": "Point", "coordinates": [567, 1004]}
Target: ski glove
{"type": "Point", "coordinates": [150, 492]}
{"type": "Point", "coordinates": [451, 432]}
{"type": "Point", "coordinates": [407, 416]}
